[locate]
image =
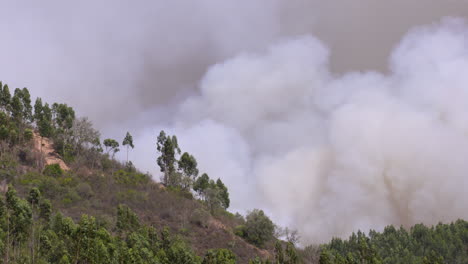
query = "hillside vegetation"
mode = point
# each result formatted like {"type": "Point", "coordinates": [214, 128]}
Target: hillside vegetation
{"type": "Point", "coordinates": [48, 153]}
{"type": "Point", "coordinates": [64, 198]}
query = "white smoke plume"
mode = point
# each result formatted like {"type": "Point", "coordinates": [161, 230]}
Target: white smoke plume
{"type": "Point", "coordinates": [332, 154]}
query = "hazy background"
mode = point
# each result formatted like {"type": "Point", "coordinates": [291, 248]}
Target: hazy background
{"type": "Point", "coordinates": [267, 94]}
{"type": "Point", "coordinates": [147, 53]}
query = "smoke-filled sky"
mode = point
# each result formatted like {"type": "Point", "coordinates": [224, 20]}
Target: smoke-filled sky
{"type": "Point", "coordinates": [316, 111]}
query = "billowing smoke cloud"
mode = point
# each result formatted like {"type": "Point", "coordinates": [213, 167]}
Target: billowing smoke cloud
{"type": "Point", "coordinates": [331, 154]}
{"type": "Point", "coordinates": [291, 124]}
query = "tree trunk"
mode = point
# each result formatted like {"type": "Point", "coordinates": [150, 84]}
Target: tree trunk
{"type": "Point", "coordinates": [32, 233]}
{"type": "Point", "coordinates": [8, 238]}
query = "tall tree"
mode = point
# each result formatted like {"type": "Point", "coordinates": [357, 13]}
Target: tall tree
{"type": "Point", "coordinates": [63, 116]}
{"type": "Point", "coordinates": [33, 199]}
{"type": "Point", "coordinates": [127, 220]}
{"type": "Point", "coordinates": [213, 197]}
{"type": "Point", "coordinates": [128, 142]}
{"type": "Point", "coordinates": [62, 121]}
{"type": "Point", "coordinates": [38, 110]}
{"type": "Point", "coordinates": [111, 145]}
{"type": "Point", "coordinates": [168, 147]}
{"type": "Point", "coordinates": [27, 108]}
{"type": "Point", "coordinates": [83, 134]}
{"type": "Point", "coordinates": [5, 99]}
{"type": "Point", "coordinates": [201, 184]}
{"type": "Point", "coordinates": [188, 167]}
{"type": "Point", "coordinates": [17, 110]}
{"type": "Point", "coordinates": [325, 257]}
{"type": "Point", "coordinates": [279, 255]}
{"type": "Point", "coordinates": [224, 194]}
{"type": "Point", "coordinates": [293, 258]}
{"type": "Point", "coordinates": [44, 123]}
{"type": "Point", "coordinates": [19, 220]}
{"type": "Point", "coordinates": [259, 229]}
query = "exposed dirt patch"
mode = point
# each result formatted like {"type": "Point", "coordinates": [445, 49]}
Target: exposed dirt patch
{"type": "Point", "coordinates": [45, 147]}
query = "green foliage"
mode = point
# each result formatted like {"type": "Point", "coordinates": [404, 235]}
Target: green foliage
{"type": "Point", "coordinates": [219, 256]}
{"type": "Point", "coordinates": [8, 165]}
{"type": "Point", "coordinates": [325, 257]}
{"type": "Point", "coordinates": [201, 184]}
{"type": "Point", "coordinates": [64, 116]}
{"type": "Point", "coordinates": [215, 194]}
{"type": "Point", "coordinates": [44, 121]}
{"type": "Point", "coordinates": [168, 147]}
{"type": "Point", "coordinates": [279, 254]}
{"type": "Point", "coordinates": [20, 216]}
{"type": "Point", "coordinates": [259, 229]}
{"type": "Point", "coordinates": [131, 178]}
{"type": "Point", "coordinates": [26, 102]}
{"type": "Point", "coordinates": [127, 220]}
{"type": "Point", "coordinates": [443, 243]}
{"type": "Point", "coordinates": [258, 260]}
{"type": "Point", "coordinates": [223, 194]}
{"type": "Point", "coordinates": [31, 232]}
{"type": "Point", "coordinates": [240, 231]}
{"type": "Point", "coordinates": [5, 98]}
{"type": "Point", "coordinates": [53, 170]}
{"type": "Point", "coordinates": [45, 210]}
{"type": "Point", "coordinates": [28, 134]}
{"type": "Point", "coordinates": [292, 257]}
{"type": "Point", "coordinates": [188, 167]}
{"type": "Point", "coordinates": [111, 145]}
{"type": "Point", "coordinates": [34, 195]}
{"type": "Point", "coordinates": [128, 142]}
{"type": "Point", "coordinates": [61, 240]}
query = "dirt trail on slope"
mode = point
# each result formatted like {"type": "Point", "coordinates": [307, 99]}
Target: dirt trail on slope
{"type": "Point", "coordinates": [48, 152]}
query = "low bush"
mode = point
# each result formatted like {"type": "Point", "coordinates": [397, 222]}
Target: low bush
{"type": "Point", "coordinates": [53, 170]}
{"type": "Point", "coordinates": [200, 217]}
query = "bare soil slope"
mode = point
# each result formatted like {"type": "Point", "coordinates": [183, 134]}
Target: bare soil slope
{"type": "Point", "coordinates": [45, 147]}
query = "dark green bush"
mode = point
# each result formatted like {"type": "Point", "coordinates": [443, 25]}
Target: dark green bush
{"type": "Point", "coordinates": [259, 229]}
{"type": "Point", "coordinates": [53, 170]}
{"type": "Point", "coordinates": [240, 231]}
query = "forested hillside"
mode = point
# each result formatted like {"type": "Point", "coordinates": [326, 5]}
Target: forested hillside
{"type": "Point", "coordinates": [444, 243]}
{"type": "Point", "coordinates": [64, 198]}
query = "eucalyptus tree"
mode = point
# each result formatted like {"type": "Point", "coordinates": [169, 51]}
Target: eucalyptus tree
{"type": "Point", "coordinates": [128, 142]}
{"type": "Point", "coordinates": [5, 98]}
{"type": "Point", "coordinates": [111, 145]}
{"type": "Point", "coordinates": [188, 167]}
{"type": "Point", "coordinates": [168, 148]}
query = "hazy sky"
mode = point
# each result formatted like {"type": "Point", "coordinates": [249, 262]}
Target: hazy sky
{"type": "Point", "coordinates": [254, 87]}
{"type": "Point", "coordinates": [140, 55]}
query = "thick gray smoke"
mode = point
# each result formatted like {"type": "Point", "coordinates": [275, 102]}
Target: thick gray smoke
{"type": "Point", "coordinates": [292, 124]}
{"type": "Point", "coordinates": [330, 154]}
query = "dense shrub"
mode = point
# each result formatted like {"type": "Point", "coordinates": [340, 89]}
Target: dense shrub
{"type": "Point", "coordinates": [258, 228]}
{"type": "Point", "coordinates": [84, 190]}
{"type": "Point", "coordinates": [53, 170]}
